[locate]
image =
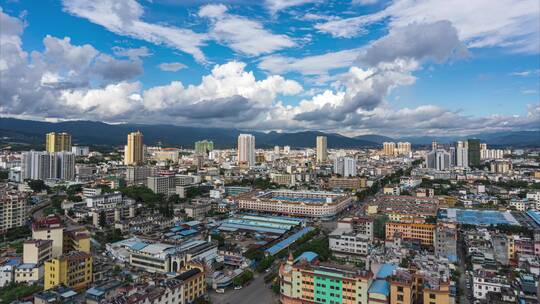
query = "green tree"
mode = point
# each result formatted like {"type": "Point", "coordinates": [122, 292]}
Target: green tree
{"type": "Point", "coordinates": [265, 263]}
{"type": "Point", "coordinates": [243, 278]}
{"type": "Point", "coordinates": [379, 226]}
{"type": "Point", "coordinates": [16, 291]}
{"type": "Point", "coordinates": [4, 175]}
{"type": "Point", "coordinates": [37, 185]}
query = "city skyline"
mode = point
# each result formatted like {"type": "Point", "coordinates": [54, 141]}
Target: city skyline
{"type": "Point", "coordinates": [288, 66]}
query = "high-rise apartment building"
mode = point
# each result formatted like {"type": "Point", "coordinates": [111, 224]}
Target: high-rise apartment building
{"type": "Point", "coordinates": [322, 149]}
{"type": "Point", "coordinates": [345, 166]}
{"type": "Point", "coordinates": [246, 149]}
{"type": "Point", "coordinates": [57, 142]}
{"type": "Point", "coordinates": [438, 159]}
{"type": "Point", "coordinates": [403, 148]}
{"type": "Point", "coordinates": [389, 148]}
{"type": "Point", "coordinates": [462, 155]}
{"type": "Point", "coordinates": [286, 149]}
{"type": "Point", "coordinates": [473, 147]}
{"type": "Point", "coordinates": [138, 174]}
{"type": "Point", "coordinates": [12, 208]}
{"type": "Point", "coordinates": [453, 156]}
{"type": "Point", "coordinates": [45, 165]}
{"type": "Point", "coordinates": [203, 147]}
{"type": "Point", "coordinates": [133, 151]}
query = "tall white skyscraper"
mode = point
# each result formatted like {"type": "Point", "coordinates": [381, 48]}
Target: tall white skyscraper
{"type": "Point", "coordinates": [438, 159]}
{"type": "Point", "coordinates": [246, 149]}
{"type": "Point", "coordinates": [322, 151]}
{"type": "Point", "coordinates": [462, 157]}
{"type": "Point", "coordinates": [287, 149]}
{"type": "Point", "coordinates": [37, 165]}
{"type": "Point", "coordinates": [345, 166]}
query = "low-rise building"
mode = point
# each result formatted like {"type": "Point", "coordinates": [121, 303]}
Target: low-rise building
{"type": "Point", "coordinates": [50, 228]}
{"type": "Point", "coordinates": [162, 184]}
{"type": "Point", "coordinates": [29, 273]}
{"type": "Point", "coordinates": [7, 270]}
{"type": "Point", "coordinates": [352, 237]}
{"type": "Point", "coordinates": [197, 210]}
{"type": "Point", "coordinates": [305, 281]}
{"type": "Point", "coordinates": [445, 241]}
{"type": "Point", "coordinates": [392, 190]}
{"type": "Point", "coordinates": [408, 287]}
{"type": "Point", "coordinates": [411, 231]}
{"type": "Point", "coordinates": [484, 282]}
{"type": "Point", "coordinates": [37, 251]}
{"type": "Point", "coordinates": [299, 203]}
{"type": "Point", "coordinates": [347, 183]}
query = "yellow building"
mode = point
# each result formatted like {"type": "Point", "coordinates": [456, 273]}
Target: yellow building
{"type": "Point", "coordinates": [347, 183]}
{"type": "Point", "coordinates": [77, 239]}
{"type": "Point", "coordinates": [322, 149]}
{"type": "Point", "coordinates": [408, 286]}
{"type": "Point", "coordinates": [418, 231]}
{"type": "Point", "coordinates": [389, 148]}
{"type": "Point", "coordinates": [73, 270]}
{"type": "Point", "coordinates": [194, 282]}
{"type": "Point", "coordinates": [58, 142]}
{"type": "Point", "coordinates": [446, 201]}
{"type": "Point", "coordinates": [133, 151]}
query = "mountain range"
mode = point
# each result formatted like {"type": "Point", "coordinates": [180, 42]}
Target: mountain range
{"type": "Point", "coordinates": [98, 133]}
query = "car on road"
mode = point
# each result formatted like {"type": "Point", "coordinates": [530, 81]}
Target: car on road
{"type": "Point", "coordinates": [220, 290]}
{"type": "Point", "coordinates": [237, 287]}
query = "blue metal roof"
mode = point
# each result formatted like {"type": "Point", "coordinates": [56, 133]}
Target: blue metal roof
{"type": "Point", "coordinates": [385, 271]}
{"type": "Point", "coordinates": [95, 292]}
{"type": "Point", "coordinates": [12, 262]}
{"type": "Point", "coordinates": [380, 287]}
{"type": "Point", "coordinates": [308, 255]}
{"type": "Point", "coordinates": [138, 246]}
{"type": "Point", "coordinates": [252, 228]}
{"type": "Point", "coordinates": [188, 232]}
{"type": "Point", "coordinates": [26, 266]}
{"type": "Point", "coordinates": [176, 229]}
{"type": "Point", "coordinates": [288, 241]}
{"type": "Point", "coordinates": [535, 215]}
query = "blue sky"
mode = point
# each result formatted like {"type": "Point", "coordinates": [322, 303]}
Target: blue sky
{"type": "Point", "coordinates": [354, 67]}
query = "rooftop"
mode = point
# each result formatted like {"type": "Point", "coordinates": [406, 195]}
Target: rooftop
{"type": "Point", "coordinates": [380, 287]}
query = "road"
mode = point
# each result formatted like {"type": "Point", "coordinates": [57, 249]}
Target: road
{"type": "Point", "coordinates": [462, 269]}
{"type": "Point", "coordinates": [256, 292]}
{"type": "Point", "coordinates": [37, 211]}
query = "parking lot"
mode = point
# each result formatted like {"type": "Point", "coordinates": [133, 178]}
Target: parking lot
{"type": "Point", "coordinates": [256, 292]}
